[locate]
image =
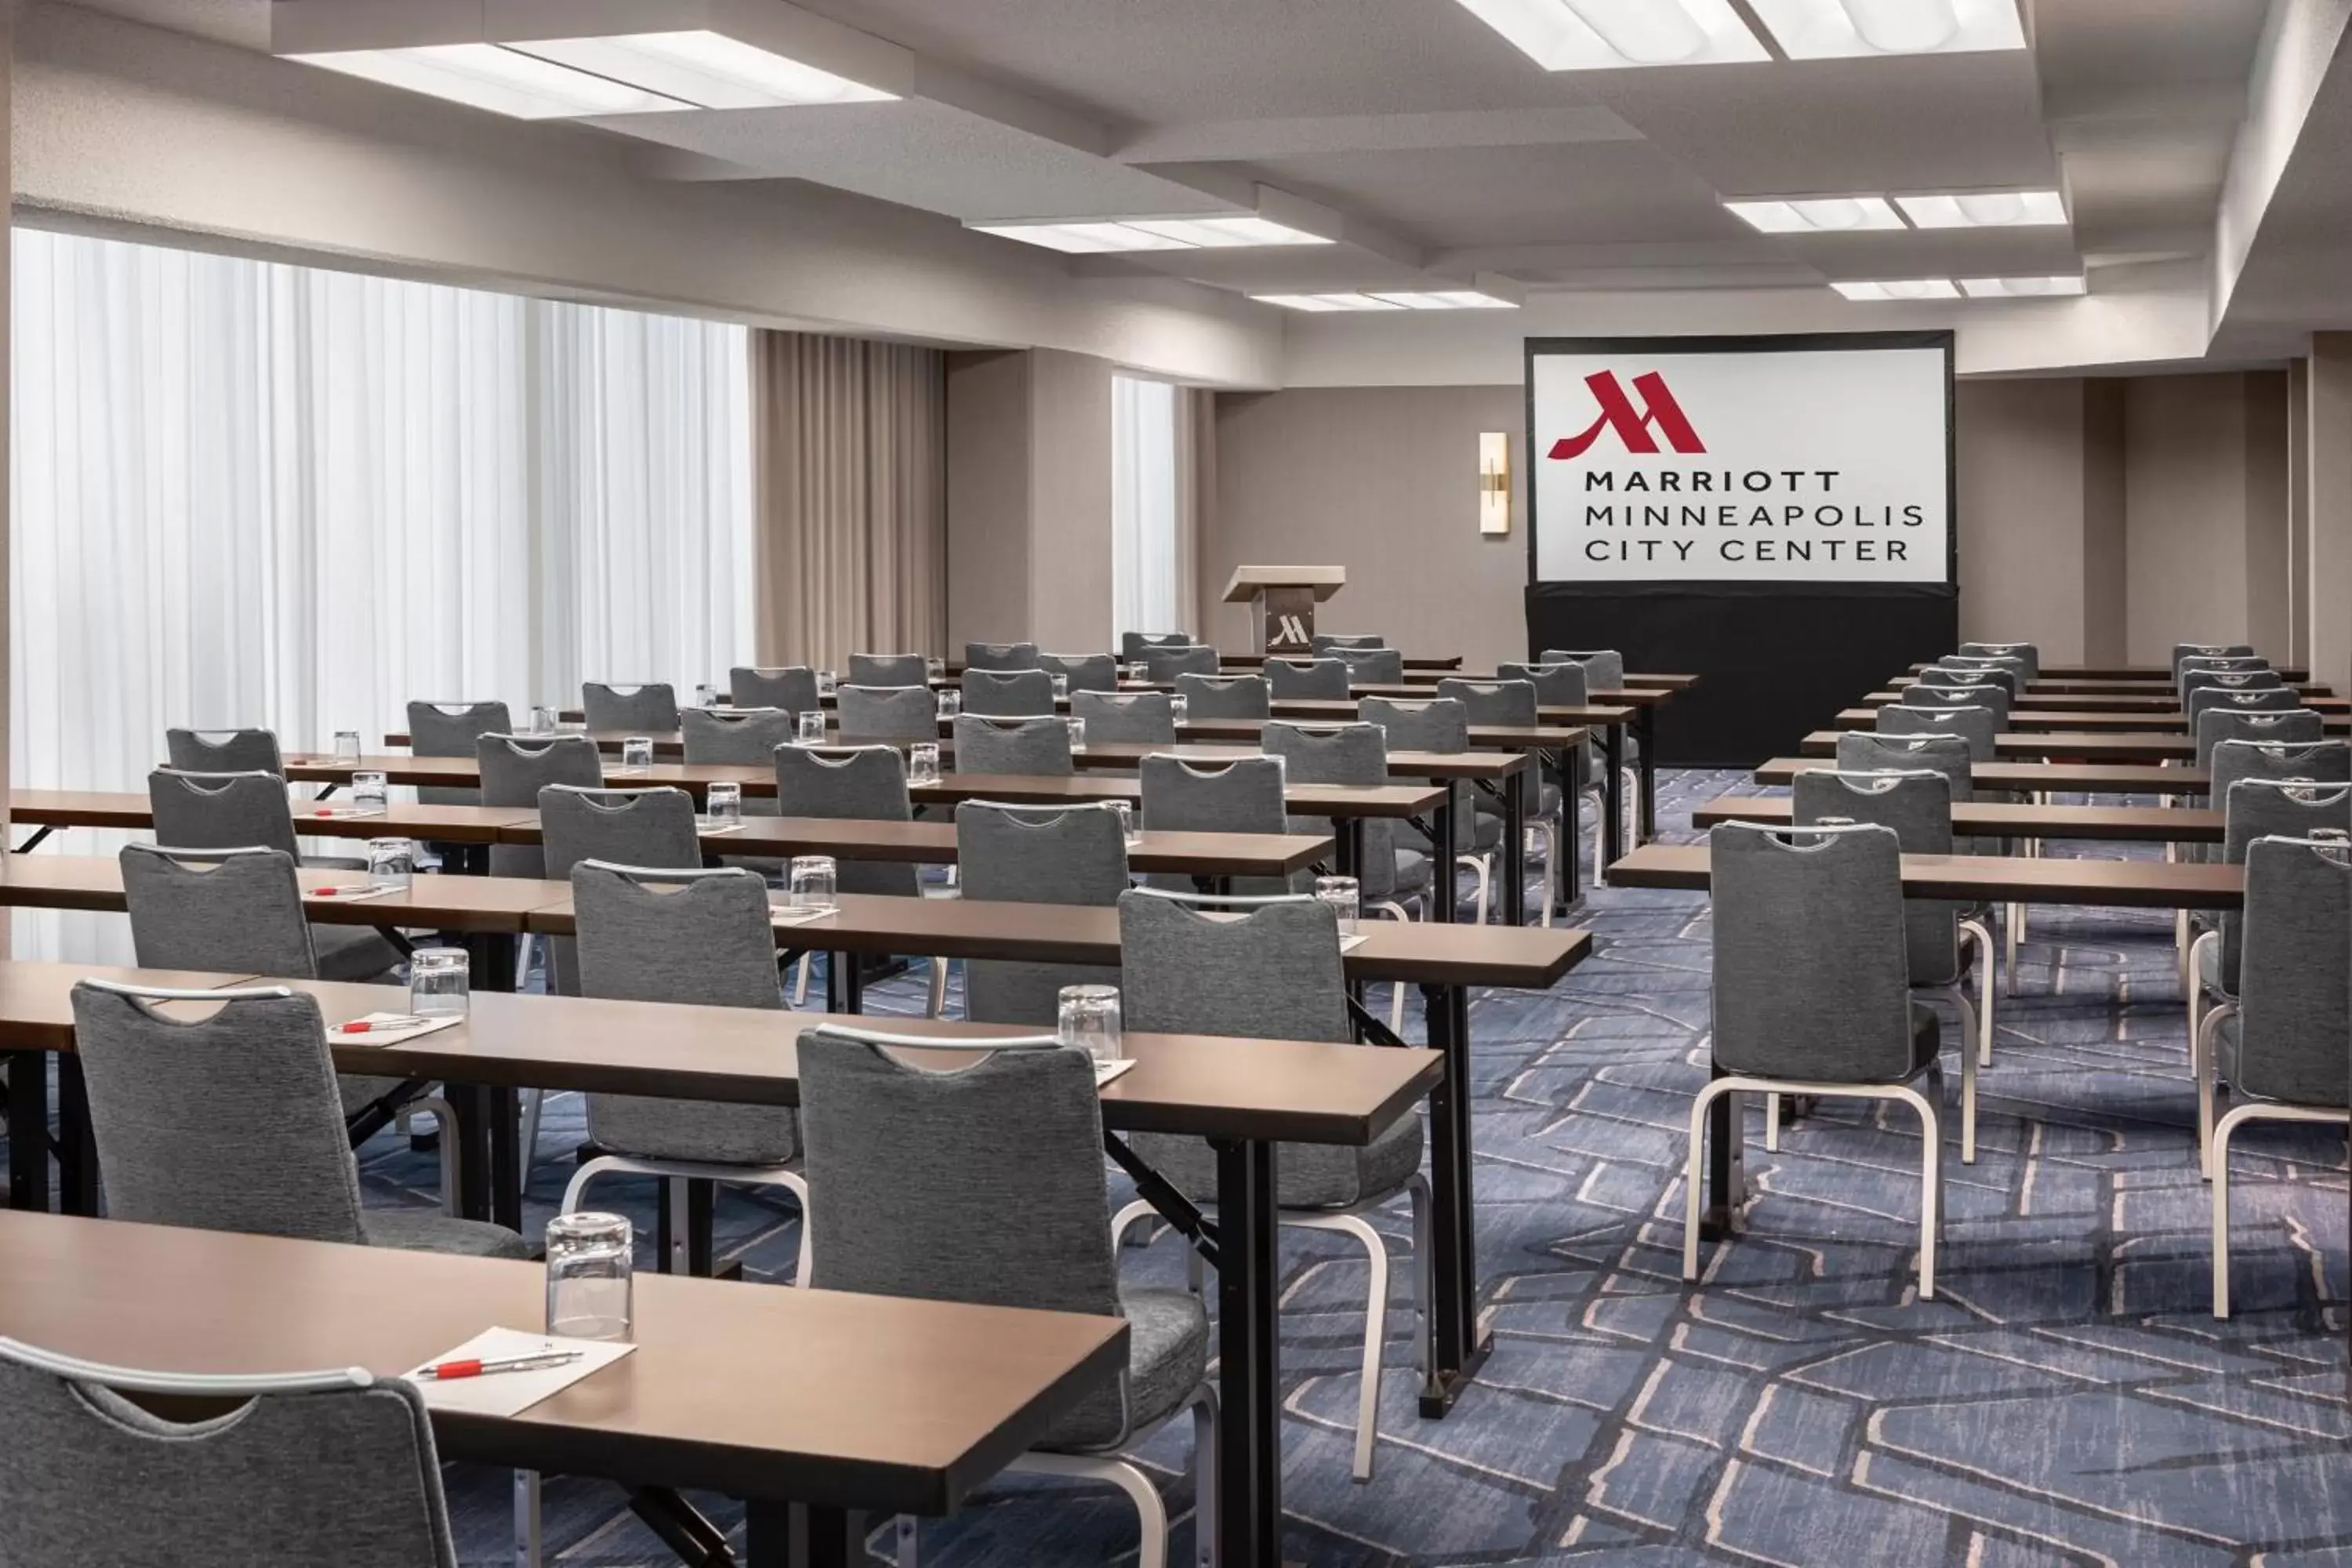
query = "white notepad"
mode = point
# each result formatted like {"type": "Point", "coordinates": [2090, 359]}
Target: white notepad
{"type": "Point", "coordinates": [707, 825]}
{"type": "Point", "coordinates": [382, 1036]}
{"type": "Point", "coordinates": [1105, 1071]}
{"type": "Point", "coordinates": [512, 1393]}
{"type": "Point", "coordinates": [778, 914]}
{"type": "Point", "coordinates": [344, 812]}
{"type": "Point", "coordinates": [352, 895]}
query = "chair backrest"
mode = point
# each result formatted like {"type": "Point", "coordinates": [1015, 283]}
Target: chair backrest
{"type": "Point", "coordinates": [1273, 972]}
{"type": "Point", "coordinates": [985, 746]}
{"type": "Point", "coordinates": [650, 707]}
{"type": "Point", "coordinates": [224, 751]}
{"type": "Point", "coordinates": [1085, 671]}
{"type": "Point", "coordinates": [999, 655]}
{"type": "Point", "coordinates": [515, 768]}
{"type": "Point", "coordinates": [2255, 809]}
{"type": "Point", "coordinates": [226, 1123]}
{"type": "Point", "coordinates": [220, 811]}
{"type": "Point", "coordinates": [1306, 679]}
{"type": "Point", "coordinates": [1493, 701]}
{"type": "Point", "coordinates": [1978, 726]}
{"type": "Point", "coordinates": [1861, 752]}
{"type": "Point", "coordinates": [2184, 651]}
{"type": "Point", "coordinates": [450, 729]}
{"type": "Point", "coordinates": [792, 687]}
{"type": "Point", "coordinates": [1024, 855]}
{"type": "Point", "coordinates": [2027, 651]}
{"type": "Point", "coordinates": [1604, 668]}
{"type": "Point", "coordinates": [1439, 724]}
{"type": "Point", "coordinates": [236, 911]}
{"type": "Point", "coordinates": [1132, 644]}
{"type": "Point", "coordinates": [1993, 697]}
{"type": "Point", "coordinates": [1341, 754]}
{"type": "Point", "coordinates": [1243, 796]}
{"type": "Point", "coordinates": [623, 826]}
{"type": "Point", "coordinates": [1367, 665]}
{"type": "Point", "coordinates": [2322, 762]}
{"type": "Point", "coordinates": [1321, 643]}
{"type": "Point", "coordinates": [744, 737]}
{"type": "Point", "coordinates": [328, 1466]}
{"type": "Point", "coordinates": [1957, 673]}
{"type": "Point", "coordinates": [887, 713]}
{"type": "Point", "coordinates": [2205, 698]}
{"type": "Point", "coordinates": [2194, 680]}
{"type": "Point", "coordinates": [2293, 1012]}
{"type": "Point", "coordinates": [1164, 662]}
{"type": "Point", "coordinates": [1008, 693]}
{"type": "Point", "coordinates": [1557, 685]}
{"type": "Point", "coordinates": [1918, 807]}
{"type": "Point", "coordinates": [693, 936]}
{"type": "Point", "coordinates": [889, 669]}
{"type": "Point", "coordinates": [1214, 696]}
{"type": "Point", "coordinates": [2217, 725]}
{"type": "Point", "coordinates": [1811, 979]}
{"type": "Point", "coordinates": [864, 784]}
{"type": "Point", "coordinates": [1141, 718]}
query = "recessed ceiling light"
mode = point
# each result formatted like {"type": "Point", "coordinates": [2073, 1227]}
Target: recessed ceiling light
{"type": "Point", "coordinates": [1447, 299]}
{"type": "Point", "coordinates": [1083, 238]}
{"type": "Point", "coordinates": [703, 68]}
{"type": "Point", "coordinates": [1818, 215]}
{"type": "Point", "coordinates": [2022, 288]}
{"type": "Point", "coordinates": [1328, 301]}
{"type": "Point", "coordinates": [1827, 29]}
{"type": "Point", "coordinates": [1603, 34]}
{"type": "Point", "coordinates": [1224, 232]}
{"type": "Point", "coordinates": [1902, 288]}
{"type": "Point", "coordinates": [488, 77]}
{"type": "Point", "coordinates": [1213, 233]}
{"type": "Point", "coordinates": [1989, 209]}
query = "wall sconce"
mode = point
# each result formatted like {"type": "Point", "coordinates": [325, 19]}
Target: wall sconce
{"type": "Point", "coordinates": [1494, 482]}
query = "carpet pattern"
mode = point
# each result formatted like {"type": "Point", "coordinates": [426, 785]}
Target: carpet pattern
{"type": "Point", "coordinates": [2067, 1398]}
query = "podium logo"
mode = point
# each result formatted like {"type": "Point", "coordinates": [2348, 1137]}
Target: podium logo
{"type": "Point", "coordinates": [1659, 412]}
{"type": "Point", "coordinates": [1290, 631]}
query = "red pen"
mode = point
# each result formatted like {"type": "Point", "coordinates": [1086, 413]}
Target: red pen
{"type": "Point", "coordinates": [476, 1367]}
{"type": "Point", "coordinates": [362, 1026]}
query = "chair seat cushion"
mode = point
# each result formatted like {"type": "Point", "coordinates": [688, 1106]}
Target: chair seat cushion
{"type": "Point", "coordinates": [2208, 971]}
{"type": "Point", "coordinates": [2314, 1079]}
{"type": "Point", "coordinates": [429, 1230]}
{"type": "Point", "coordinates": [1412, 871]}
{"type": "Point", "coordinates": [352, 952]}
{"type": "Point", "coordinates": [1308, 1176]}
{"type": "Point", "coordinates": [1927, 1039]}
{"type": "Point", "coordinates": [1167, 1357]}
{"type": "Point", "coordinates": [645, 1129]}
{"type": "Point", "coordinates": [358, 1093]}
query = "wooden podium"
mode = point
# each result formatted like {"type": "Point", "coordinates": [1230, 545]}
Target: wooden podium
{"type": "Point", "coordinates": [1285, 597]}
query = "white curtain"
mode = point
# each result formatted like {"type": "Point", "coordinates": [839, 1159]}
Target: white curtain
{"type": "Point", "coordinates": [248, 493]}
{"type": "Point", "coordinates": [1147, 586]}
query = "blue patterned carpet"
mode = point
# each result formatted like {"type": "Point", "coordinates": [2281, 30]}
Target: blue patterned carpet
{"type": "Point", "coordinates": [2068, 1398]}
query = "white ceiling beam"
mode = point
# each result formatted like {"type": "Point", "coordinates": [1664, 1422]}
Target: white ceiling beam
{"type": "Point", "coordinates": [1230, 140]}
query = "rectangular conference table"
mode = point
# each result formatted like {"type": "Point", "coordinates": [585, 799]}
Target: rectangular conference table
{"type": "Point", "coordinates": [2001, 819]}
{"type": "Point", "coordinates": [2131, 746]}
{"type": "Point", "coordinates": [2171, 720]}
{"type": "Point", "coordinates": [2157, 700]}
{"type": "Point", "coordinates": [770, 1396]}
{"type": "Point", "coordinates": [2048, 778]}
{"type": "Point", "coordinates": [2127, 671]}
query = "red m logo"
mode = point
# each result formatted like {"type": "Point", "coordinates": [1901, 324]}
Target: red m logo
{"type": "Point", "coordinates": [1617, 413]}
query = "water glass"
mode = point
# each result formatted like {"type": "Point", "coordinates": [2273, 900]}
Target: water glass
{"type": "Point", "coordinates": [591, 1272]}
{"type": "Point", "coordinates": [951, 701]}
{"type": "Point", "coordinates": [347, 745]}
{"type": "Point", "coordinates": [1178, 706]}
{"type": "Point", "coordinates": [637, 752]}
{"type": "Point", "coordinates": [1135, 672]}
{"type": "Point", "coordinates": [571, 726]}
{"type": "Point", "coordinates": [1061, 688]}
{"type": "Point", "coordinates": [1077, 729]}
{"type": "Point", "coordinates": [391, 863]}
{"type": "Point", "coordinates": [543, 721]}
{"type": "Point", "coordinates": [1089, 1021]}
{"type": "Point", "coordinates": [808, 727]}
{"type": "Point", "coordinates": [440, 982]}
{"type": "Point", "coordinates": [706, 696]}
{"type": "Point", "coordinates": [826, 683]}
{"type": "Point", "coordinates": [814, 882]}
{"type": "Point", "coordinates": [1128, 833]}
{"type": "Point", "coordinates": [1346, 899]}
{"type": "Point", "coordinates": [923, 762]}
{"type": "Point", "coordinates": [725, 804]}
{"type": "Point", "coordinates": [370, 791]}
{"type": "Point", "coordinates": [935, 669]}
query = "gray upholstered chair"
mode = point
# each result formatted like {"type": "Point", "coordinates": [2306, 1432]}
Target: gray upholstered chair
{"type": "Point", "coordinates": [1812, 995]}
{"type": "Point", "coordinates": [1132, 644]}
{"type": "Point", "coordinates": [515, 768]}
{"type": "Point", "coordinates": [1085, 671]}
{"type": "Point", "coordinates": [1604, 670]}
{"type": "Point", "coordinates": [999, 655]}
{"type": "Point", "coordinates": [231, 1121]}
{"type": "Point", "coordinates": [1367, 665]}
{"type": "Point", "coordinates": [1128, 718]}
{"type": "Point", "coordinates": [2280, 1043]}
{"type": "Point", "coordinates": [889, 669]}
{"type": "Point", "coordinates": [2019, 650]}
{"type": "Point", "coordinates": [900, 713]}
{"type": "Point", "coordinates": [2321, 762]}
{"type": "Point", "coordinates": [985, 746]}
{"type": "Point", "coordinates": [1565, 685]}
{"type": "Point", "coordinates": [1007, 1205]}
{"type": "Point", "coordinates": [652, 827]}
{"type": "Point", "coordinates": [743, 738]}
{"type": "Point", "coordinates": [2183, 651]}
{"type": "Point", "coordinates": [2298, 726]}
{"type": "Point", "coordinates": [646, 709]}
{"type": "Point", "coordinates": [1273, 974]}
{"type": "Point", "coordinates": [1306, 679]}
{"type": "Point", "coordinates": [1978, 726]}
{"type": "Point", "coordinates": [861, 783]}
{"type": "Point", "coordinates": [1960, 674]}
{"type": "Point", "coordinates": [1164, 662]}
{"type": "Point", "coordinates": [790, 687]}
{"type": "Point", "coordinates": [699, 938]}
{"type": "Point", "coordinates": [1389, 879]}
{"type": "Point", "coordinates": [1918, 807]}
{"type": "Point", "coordinates": [1321, 643]}
{"type": "Point", "coordinates": [1995, 698]}
{"type": "Point", "coordinates": [224, 751]}
{"type": "Point", "coordinates": [1516, 703]}
{"type": "Point", "coordinates": [450, 729]}
{"type": "Point", "coordinates": [1443, 725]}
{"type": "Point", "coordinates": [225, 811]}
{"type": "Point", "coordinates": [2239, 696]}
{"type": "Point", "coordinates": [1243, 795]}
{"type": "Point", "coordinates": [307, 1467]}
{"type": "Point", "coordinates": [1213, 696]}
{"type": "Point", "coordinates": [1008, 693]}
{"type": "Point", "coordinates": [1025, 855]}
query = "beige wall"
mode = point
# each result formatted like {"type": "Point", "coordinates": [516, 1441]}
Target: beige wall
{"type": "Point", "coordinates": [2184, 506]}
{"type": "Point", "coordinates": [2107, 595]}
{"type": "Point", "coordinates": [2023, 498]}
{"type": "Point", "coordinates": [2329, 451]}
{"type": "Point", "coordinates": [988, 496]}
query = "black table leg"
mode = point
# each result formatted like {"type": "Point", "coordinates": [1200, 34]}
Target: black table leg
{"type": "Point", "coordinates": [473, 1133]}
{"type": "Point", "coordinates": [503, 1104]}
{"type": "Point", "coordinates": [1457, 1346]}
{"type": "Point", "coordinates": [28, 1130]}
{"type": "Point", "coordinates": [1440, 868]}
{"type": "Point", "coordinates": [1645, 734]}
{"type": "Point", "coordinates": [1567, 884]}
{"type": "Point", "coordinates": [1612, 832]}
{"type": "Point", "coordinates": [845, 987]}
{"type": "Point", "coordinates": [490, 959]}
{"type": "Point", "coordinates": [1511, 864]}
{"type": "Point", "coordinates": [689, 1254]}
{"type": "Point", "coordinates": [1249, 1416]}
{"type": "Point", "coordinates": [1348, 845]}
{"type": "Point", "coordinates": [77, 1143]}
{"type": "Point", "coordinates": [795, 1535]}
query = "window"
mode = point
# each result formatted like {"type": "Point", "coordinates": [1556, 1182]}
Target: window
{"type": "Point", "coordinates": [1146, 580]}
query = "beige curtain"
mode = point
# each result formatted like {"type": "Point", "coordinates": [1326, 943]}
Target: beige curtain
{"type": "Point", "coordinates": [1196, 496]}
{"type": "Point", "coordinates": [850, 442]}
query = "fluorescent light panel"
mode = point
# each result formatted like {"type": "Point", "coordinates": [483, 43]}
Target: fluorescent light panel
{"type": "Point", "coordinates": [1905, 290]}
{"type": "Point", "coordinates": [1607, 35]}
{"type": "Point", "coordinates": [1818, 215]}
{"type": "Point", "coordinates": [500, 81]}
{"type": "Point", "coordinates": [1437, 300]}
{"type": "Point", "coordinates": [1830, 29]}
{"type": "Point", "coordinates": [2022, 288]}
{"type": "Point", "coordinates": [1985, 209]}
{"type": "Point", "coordinates": [1093, 236]}
{"type": "Point", "coordinates": [1224, 232]}
{"type": "Point", "coordinates": [1083, 238]}
{"type": "Point", "coordinates": [705, 68]}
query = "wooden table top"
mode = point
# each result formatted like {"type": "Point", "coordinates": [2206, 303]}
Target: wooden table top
{"type": "Point", "coordinates": [1448, 662]}
{"type": "Point", "coordinates": [36, 997]}
{"type": "Point", "coordinates": [129, 810]}
{"type": "Point", "coordinates": [758, 1393]}
{"type": "Point", "coordinates": [1995, 878]}
{"type": "Point", "coordinates": [2064, 778]}
{"type": "Point", "coordinates": [2155, 720]}
{"type": "Point", "coordinates": [2002, 819]}
{"type": "Point", "coordinates": [444, 903]}
{"type": "Point", "coordinates": [2127, 671]}
{"type": "Point", "coordinates": [2157, 700]}
{"type": "Point", "coordinates": [2131, 746]}
{"type": "Point", "coordinates": [1494, 766]}
{"type": "Point", "coordinates": [1553, 721]}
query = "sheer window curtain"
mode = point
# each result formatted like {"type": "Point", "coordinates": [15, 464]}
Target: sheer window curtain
{"type": "Point", "coordinates": [1151, 493]}
{"type": "Point", "coordinates": [248, 493]}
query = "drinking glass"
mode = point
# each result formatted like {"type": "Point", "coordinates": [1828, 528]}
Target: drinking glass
{"type": "Point", "coordinates": [571, 726]}
{"type": "Point", "coordinates": [1135, 672]}
{"type": "Point", "coordinates": [725, 804]}
{"type": "Point", "coordinates": [923, 762]}
{"type": "Point", "coordinates": [706, 696]}
{"type": "Point", "coordinates": [440, 982]}
{"type": "Point", "coordinates": [1061, 688]}
{"type": "Point", "coordinates": [370, 791]}
{"type": "Point", "coordinates": [391, 863]}
{"type": "Point", "coordinates": [347, 745]}
{"type": "Point", "coordinates": [826, 683]}
{"type": "Point", "coordinates": [637, 752]}
{"type": "Point", "coordinates": [1346, 899]}
{"type": "Point", "coordinates": [935, 669]}
{"type": "Point", "coordinates": [1077, 728]}
{"type": "Point", "coordinates": [1178, 707]}
{"type": "Point", "coordinates": [1089, 1020]}
{"type": "Point", "coordinates": [951, 701]}
{"type": "Point", "coordinates": [808, 727]}
{"type": "Point", "coordinates": [813, 883]}
{"type": "Point", "coordinates": [591, 1272]}
{"type": "Point", "coordinates": [1128, 833]}
{"type": "Point", "coordinates": [543, 721]}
